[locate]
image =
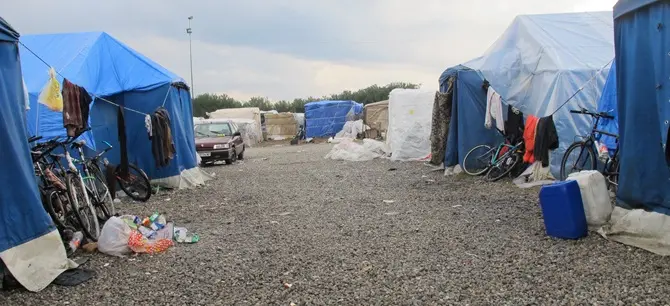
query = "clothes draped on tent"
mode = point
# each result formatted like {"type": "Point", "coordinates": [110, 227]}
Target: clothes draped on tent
{"type": "Point", "coordinates": [441, 120]}
{"type": "Point", "coordinates": [76, 104]}
{"type": "Point", "coordinates": [161, 138]}
{"type": "Point", "coordinates": [123, 142]}
{"type": "Point", "coordinates": [546, 139]}
{"type": "Point", "coordinates": [514, 126]}
{"type": "Point", "coordinates": [529, 139]}
{"type": "Point", "coordinates": [494, 110]}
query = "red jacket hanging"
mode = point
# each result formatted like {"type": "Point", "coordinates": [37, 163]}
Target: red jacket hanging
{"type": "Point", "coordinates": [529, 139]}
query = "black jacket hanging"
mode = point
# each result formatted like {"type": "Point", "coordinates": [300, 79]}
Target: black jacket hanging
{"type": "Point", "coordinates": [514, 125]}
{"type": "Point", "coordinates": [121, 124]}
{"type": "Point", "coordinates": [546, 139]}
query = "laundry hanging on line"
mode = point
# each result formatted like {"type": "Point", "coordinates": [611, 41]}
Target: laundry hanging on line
{"type": "Point", "coordinates": [494, 110]}
{"type": "Point", "coordinates": [76, 103]}
{"type": "Point", "coordinates": [514, 126]}
{"type": "Point", "coordinates": [546, 139]}
{"type": "Point", "coordinates": [162, 145]}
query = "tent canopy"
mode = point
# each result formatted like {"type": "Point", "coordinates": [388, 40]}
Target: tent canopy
{"type": "Point", "coordinates": [326, 118]}
{"type": "Point", "coordinates": [541, 61]}
{"type": "Point", "coordinates": [30, 245]}
{"type": "Point", "coordinates": [468, 107]}
{"type": "Point", "coordinates": [643, 70]}
{"type": "Point", "coordinates": [109, 69]}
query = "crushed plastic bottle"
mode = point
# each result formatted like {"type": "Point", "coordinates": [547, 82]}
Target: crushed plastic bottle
{"type": "Point", "coordinates": [181, 235]}
{"type": "Point", "coordinates": [147, 232]}
{"type": "Point", "coordinates": [76, 240]}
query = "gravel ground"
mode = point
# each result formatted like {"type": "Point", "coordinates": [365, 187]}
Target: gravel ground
{"type": "Point", "coordinates": [286, 215]}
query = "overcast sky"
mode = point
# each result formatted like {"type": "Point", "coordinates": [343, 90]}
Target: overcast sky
{"type": "Point", "coordinates": [283, 49]}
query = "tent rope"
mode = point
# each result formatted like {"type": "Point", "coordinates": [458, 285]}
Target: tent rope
{"type": "Point", "coordinates": [92, 94]}
{"type": "Point", "coordinates": [583, 86]}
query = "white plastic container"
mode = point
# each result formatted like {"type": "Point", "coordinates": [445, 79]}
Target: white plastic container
{"type": "Point", "coordinates": [597, 204]}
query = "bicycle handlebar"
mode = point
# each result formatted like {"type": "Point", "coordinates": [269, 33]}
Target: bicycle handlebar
{"type": "Point", "coordinates": [34, 138]}
{"type": "Point", "coordinates": [584, 111]}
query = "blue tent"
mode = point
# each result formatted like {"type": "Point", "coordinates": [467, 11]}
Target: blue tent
{"type": "Point", "coordinates": [642, 36]}
{"type": "Point", "coordinates": [466, 129]}
{"type": "Point", "coordinates": [109, 69]}
{"type": "Point", "coordinates": [607, 103]}
{"type": "Point", "coordinates": [540, 61]}
{"type": "Point", "coordinates": [326, 118]}
{"type": "Point", "coordinates": [27, 232]}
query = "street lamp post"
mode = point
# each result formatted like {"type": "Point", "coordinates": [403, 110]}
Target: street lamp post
{"type": "Point", "coordinates": [190, 53]}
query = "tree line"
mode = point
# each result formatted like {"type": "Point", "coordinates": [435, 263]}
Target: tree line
{"type": "Point", "coordinates": [208, 102]}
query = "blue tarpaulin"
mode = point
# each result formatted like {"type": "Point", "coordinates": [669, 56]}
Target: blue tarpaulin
{"type": "Point", "coordinates": [466, 129]}
{"type": "Point", "coordinates": [21, 213]}
{"type": "Point", "coordinates": [107, 68]}
{"type": "Point", "coordinates": [326, 118]}
{"type": "Point", "coordinates": [540, 61]}
{"type": "Point", "coordinates": [642, 39]}
{"type": "Point", "coordinates": [30, 246]}
{"type": "Point", "coordinates": [607, 104]}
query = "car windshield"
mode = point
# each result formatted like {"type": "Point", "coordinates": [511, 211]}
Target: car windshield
{"type": "Point", "coordinates": [213, 130]}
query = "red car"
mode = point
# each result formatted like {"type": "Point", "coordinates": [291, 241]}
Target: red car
{"type": "Point", "coordinates": [218, 140]}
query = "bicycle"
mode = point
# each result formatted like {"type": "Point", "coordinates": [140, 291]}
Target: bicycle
{"type": "Point", "coordinates": [52, 187]}
{"type": "Point", "coordinates": [80, 202]}
{"type": "Point", "coordinates": [495, 162]}
{"type": "Point", "coordinates": [587, 154]}
{"type": "Point", "coordinates": [135, 184]}
{"type": "Point", "coordinates": [95, 184]}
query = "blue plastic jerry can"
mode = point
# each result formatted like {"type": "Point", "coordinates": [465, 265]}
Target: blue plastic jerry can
{"type": "Point", "coordinates": [563, 210]}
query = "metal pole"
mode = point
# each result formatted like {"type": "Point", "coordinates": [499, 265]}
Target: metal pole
{"type": "Point", "coordinates": [190, 53]}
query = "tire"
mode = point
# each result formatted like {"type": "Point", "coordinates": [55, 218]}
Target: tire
{"type": "Point", "coordinates": [53, 205]}
{"type": "Point", "coordinates": [232, 159]}
{"type": "Point", "coordinates": [612, 177]}
{"type": "Point", "coordinates": [581, 148]}
{"type": "Point", "coordinates": [503, 167]}
{"type": "Point", "coordinates": [137, 187]}
{"type": "Point", "coordinates": [241, 155]}
{"type": "Point", "coordinates": [84, 212]}
{"type": "Point", "coordinates": [478, 160]}
{"type": "Point", "coordinates": [104, 203]}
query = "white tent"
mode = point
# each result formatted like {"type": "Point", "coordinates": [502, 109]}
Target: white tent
{"type": "Point", "coordinates": [410, 114]}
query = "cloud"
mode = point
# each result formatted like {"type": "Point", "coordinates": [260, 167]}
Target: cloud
{"type": "Point", "coordinates": [295, 48]}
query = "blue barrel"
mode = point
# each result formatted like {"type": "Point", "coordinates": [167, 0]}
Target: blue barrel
{"type": "Point", "coordinates": [563, 210]}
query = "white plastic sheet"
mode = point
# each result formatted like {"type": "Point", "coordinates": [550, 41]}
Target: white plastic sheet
{"type": "Point", "coordinates": [350, 150]}
{"type": "Point", "coordinates": [410, 117]}
{"type": "Point", "coordinates": [351, 129]}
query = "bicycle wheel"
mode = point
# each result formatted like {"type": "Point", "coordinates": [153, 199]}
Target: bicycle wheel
{"type": "Point", "coordinates": [82, 209]}
{"type": "Point", "coordinates": [612, 176]}
{"type": "Point", "coordinates": [54, 207]}
{"type": "Point", "coordinates": [136, 185]}
{"type": "Point", "coordinates": [579, 156]}
{"type": "Point", "coordinates": [102, 198]}
{"type": "Point", "coordinates": [503, 167]}
{"type": "Point", "coordinates": [478, 160]}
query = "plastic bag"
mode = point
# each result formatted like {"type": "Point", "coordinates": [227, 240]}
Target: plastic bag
{"type": "Point", "coordinates": [595, 197]}
{"type": "Point", "coordinates": [51, 95]}
{"type": "Point", "coordinates": [114, 237]}
{"type": "Point", "coordinates": [140, 244]}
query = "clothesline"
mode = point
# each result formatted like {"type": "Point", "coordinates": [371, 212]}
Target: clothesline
{"type": "Point", "coordinates": [92, 94]}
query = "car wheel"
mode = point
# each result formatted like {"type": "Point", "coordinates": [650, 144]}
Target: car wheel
{"type": "Point", "coordinates": [233, 158]}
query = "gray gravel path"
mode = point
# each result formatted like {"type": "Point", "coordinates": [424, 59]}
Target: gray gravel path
{"type": "Point", "coordinates": [287, 216]}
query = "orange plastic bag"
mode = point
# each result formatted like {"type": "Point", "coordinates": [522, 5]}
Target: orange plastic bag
{"type": "Point", "coordinates": [140, 244]}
